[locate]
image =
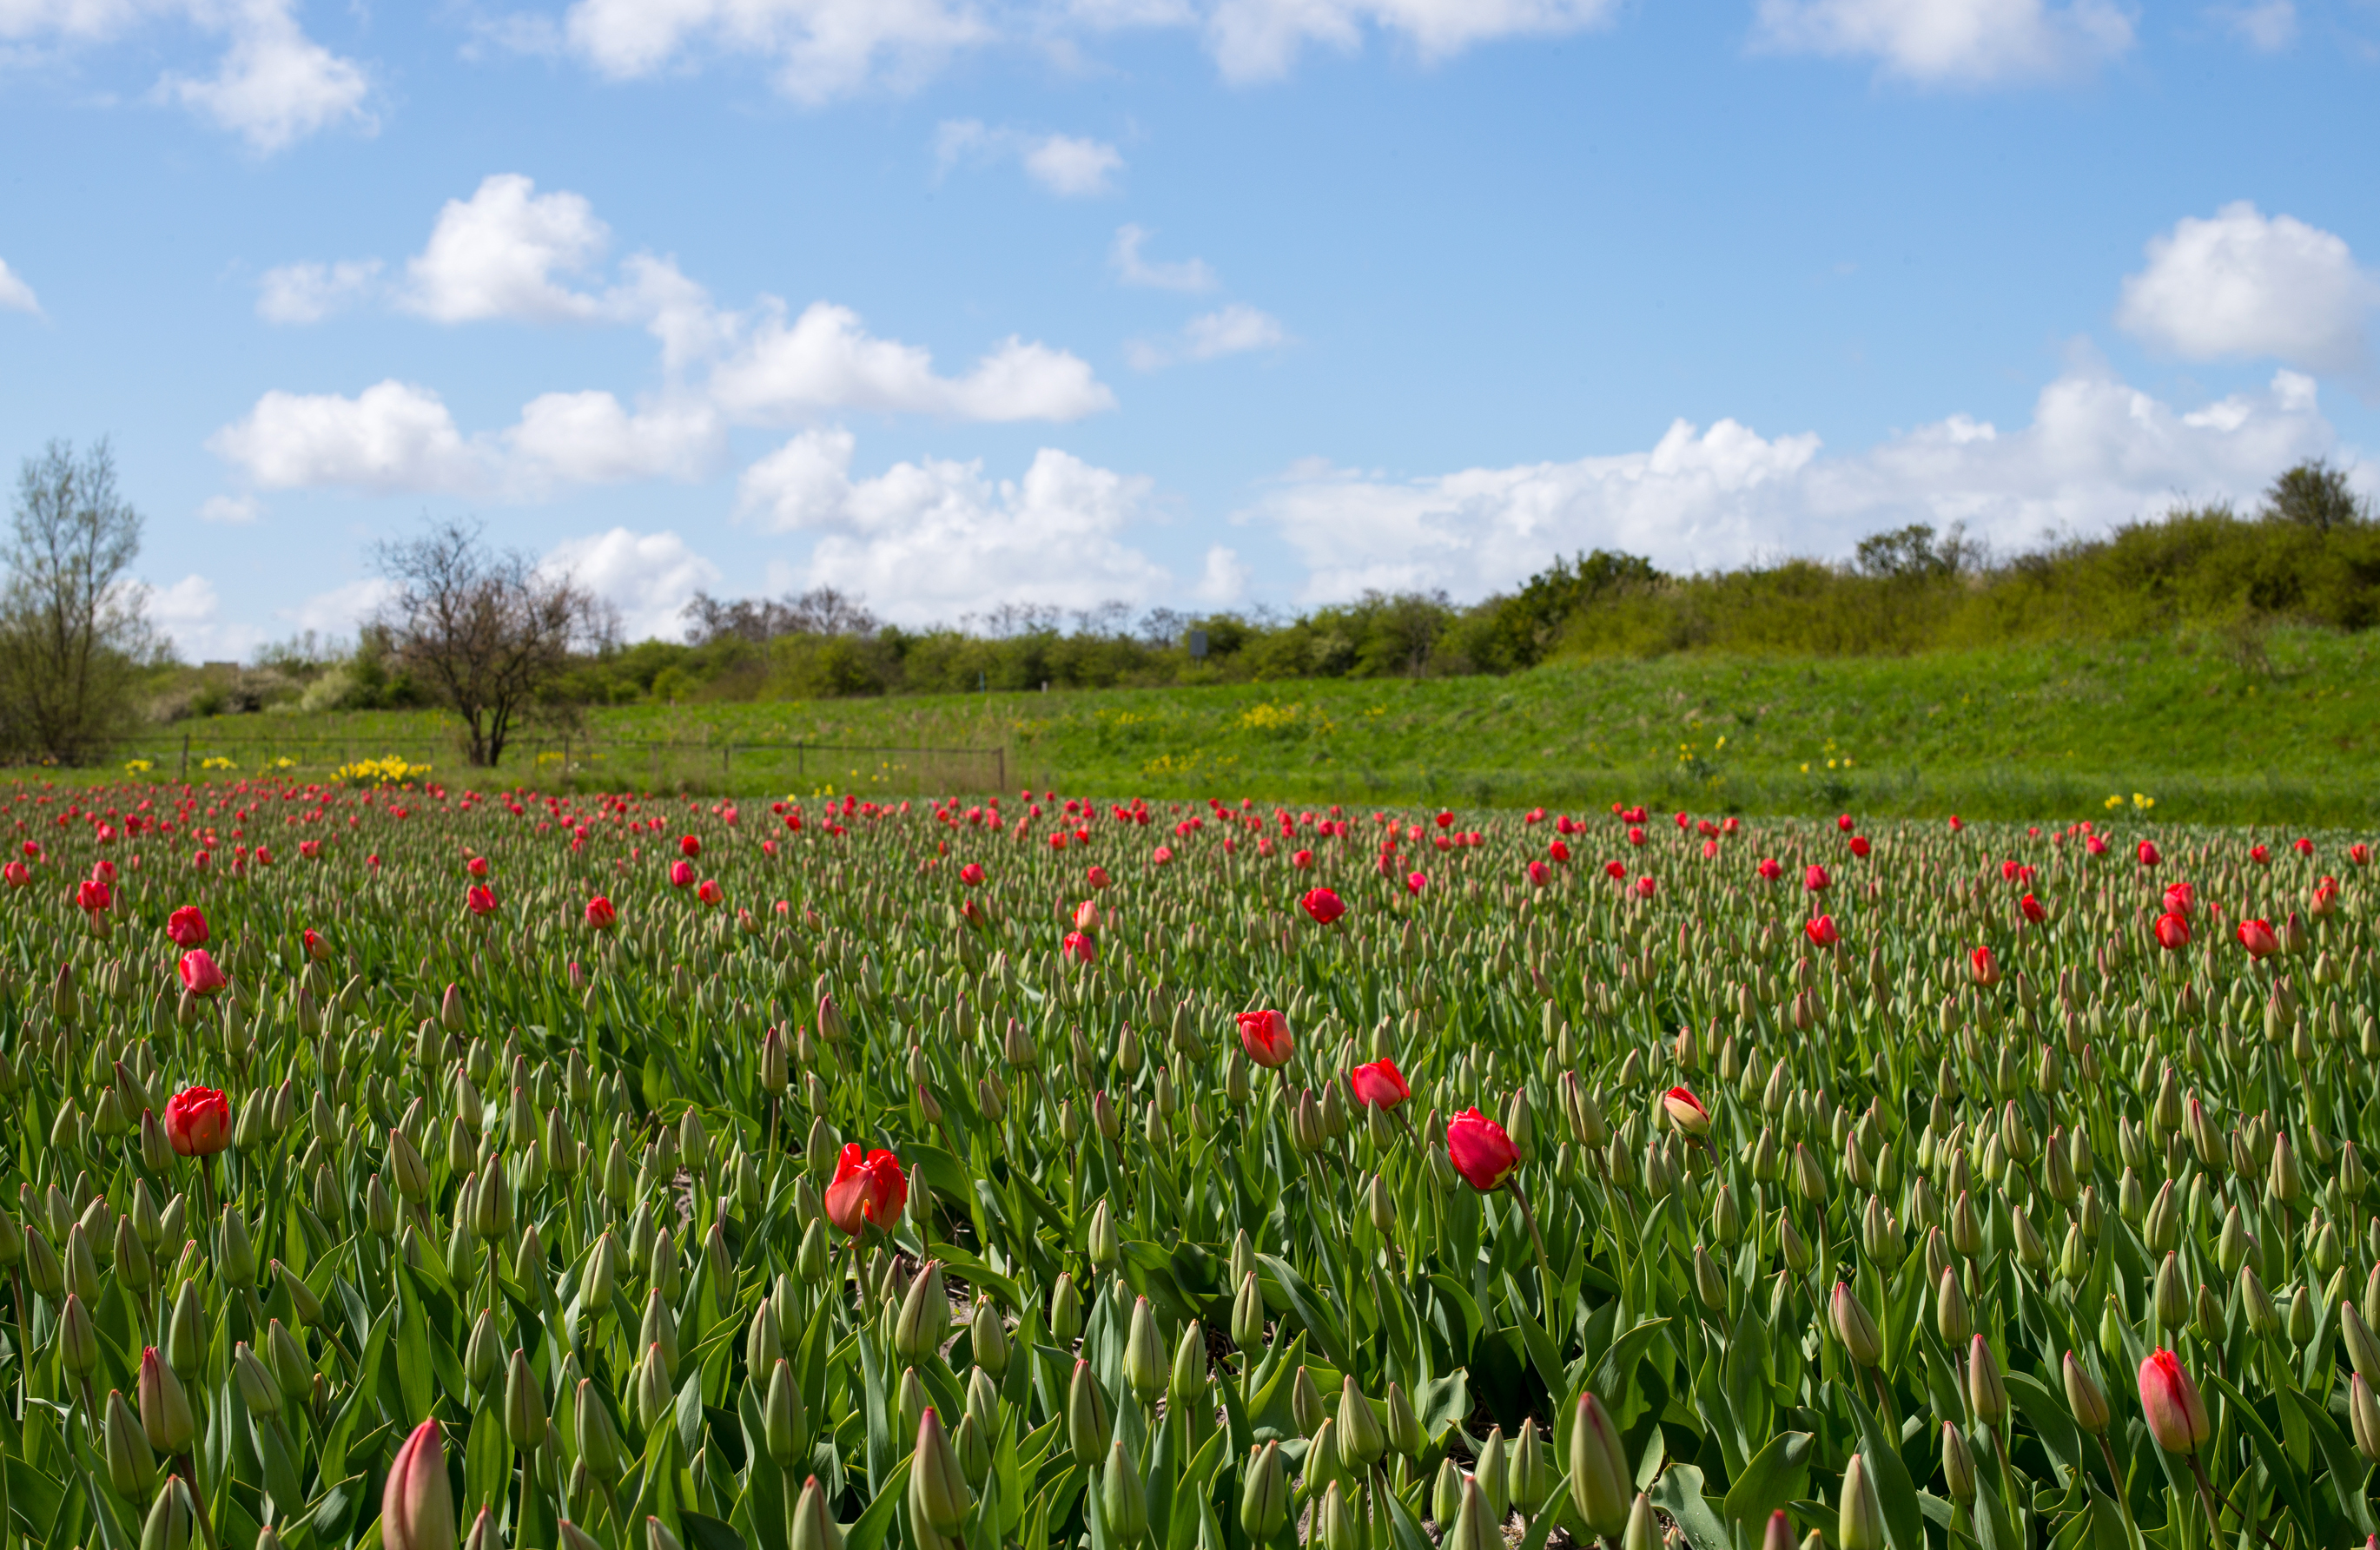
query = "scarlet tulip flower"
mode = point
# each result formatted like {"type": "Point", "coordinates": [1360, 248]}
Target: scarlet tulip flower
{"type": "Point", "coordinates": [1616, 870]}
{"type": "Point", "coordinates": [2094, 845]}
{"type": "Point", "coordinates": [2148, 854]}
{"type": "Point", "coordinates": [971, 873]}
{"type": "Point", "coordinates": [1984, 967]}
{"type": "Point", "coordinates": [199, 975]}
{"type": "Point", "coordinates": [1558, 852]}
{"type": "Point", "coordinates": [198, 1122]}
{"type": "Point", "coordinates": [1816, 880]}
{"type": "Point", "coordinates": [2173, 931]}
{"type": "Point", "coordinates": [1445, 819]}
{"type": "Point", "coordinates": [1635, 835]}
{"type": "Point", "coordinates": [2303, 845]}
{"type": "Point", "coordinates": [479, 898]}
{"type": "Point", "coordinates": [1086, 916]}
{"type": "Point", "coordinates": [1860, 847]}
{"type": "Point", "coordinates": [1539, 873]}
{"type": "Point", "coordinates": [1822, 932]}
{"type": "Point", "coordinates": [2360, 854]}
{"type": "Point", "coordinates": [868, 1187]}
{"type": "Point", "coordinates": [1098, 876]}
{"type": "Point", "coordinates": [1686, 1112]}
{"type": "Point", "coordinates": [1080, 947]}
{"type": "Point", "coordinates": [1380, 1084]}
{"type": "Point", "coordinates": [1161, 854]}
{"type": "Point", "coordinates": [689, 847]}
{"type": "Point", "coordinates": [316, 947]}
{"type": "Point", "coordinates": [1645, 887]}
{"type": "Point", "coordinates": [17, 873]}
{"type": "Point", "coordinates": [2326, 897]}
{"type": "Point", "coordinates": [2033, 909]}
{"type": "Point", "coordinates": [601, 915]}
{"type": "Point", "coordinates": [186, 927]}
{"type": "Point", "coordinates": [1323, 905]}
{"type": "Point", "coordinates": [2170, 1403]}
{"type": "Point", "coordinates": [681, 874]}
{"type": "Point", "coordinates": [476, 866]}
{"type": "Point", "coordinates": [1957, 823]}
{"type": "Point", "coordinates": [92, 896]}
{"type": "Point", "coordinates": [2261, 854]}
{"type": "Point", "coordinates": [1480, 1150]}
{"type": "Point", "coordinates": [2180, 899]}
{"type": "Point", "coordinates": [1415, 882]}
{"type": "Point", "coordinates": [1844, 823]}
{"type": "Point", "coordinates": [1768, 870]}
{"type": "Point", "coordinates": [1265, 1035]}
{"type": "Point", "coordinates": [708, 891]}
{"type": "Point", "coordinates": [2259, 938]}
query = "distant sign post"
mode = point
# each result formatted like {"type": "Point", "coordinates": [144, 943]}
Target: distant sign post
{"type": "Point", "coordinates": [1194, 641]}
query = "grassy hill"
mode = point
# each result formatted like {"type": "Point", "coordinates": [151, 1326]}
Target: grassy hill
{"type": "Point", "coordinates": [2288, 732]}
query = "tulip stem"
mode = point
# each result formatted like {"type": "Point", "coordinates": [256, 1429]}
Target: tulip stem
{"type": "Point", "coordinates": [1536, 1239]}
{"type": "Point", "coordinates": [2207, 1495]}
{"type": "Point", "coordinates": [2116, 1487]}
{"type": "Point", "coordinates": [24, 1352]}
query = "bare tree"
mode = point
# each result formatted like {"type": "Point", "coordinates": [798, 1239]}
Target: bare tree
{"type": "Point", "coordinates": [72, 630]}
{"type": "Point", "coordinates": [821, 611]}
{"type": "Point", "coordinates": [487, 630]}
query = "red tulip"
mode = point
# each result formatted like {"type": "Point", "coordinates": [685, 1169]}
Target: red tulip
{"type": "Point", "coordinates": [1161, 854]}
{"type": "Point", "coordinates": [417, 1507]}
{"type": "Point", "coordinates": [198, 1122]}
{"type": "Point", "coordinates": [1415, 883]}
{"type": "Point", "coordinates": [1080, 948]}
{"type": "Point", "coordinates": [2259, 938]}
{"type": "Point", "coordinates": [1539, 873]}
{"type": "Point", "coordinates": [2173, 931]}
{"type": "Point", "coordinates": [2148, 854]}
{"type": "Point", "coordinates": [708, 891]}
{"type": "Point", "coordinates": [1616, 870]}
{"type": "Point", "coordinates": [186, 927]}
{"type": "Point", "coordinates": [2094, 845]}
{"type": "Point", "coordinates": [2169, 1401]}
{"type": "Point", "coordinates": [1822, 932]}
{"type": "Point", "coordinates": [1770, 870]}
{"type": "Point", "coordinates": [2261, 854]}
{"type": "Point", "coordinates": [316, 947]}
{"type": "Point", "coordinates": [2180, 899]}
{"type": "Point", "coordinates": [1445, 820]}
{"type": "Point", "coordinates": [1860, 847]}
{"type": "Point", "coordinates": [681, 874]}
{"type": "Point", "coordinates": [479, 898]}
{"type": "Point", "coordinates": [199, 975]}
{"type": "Point", "coordinates": [17, 873]}
{"type": "Point", "coordinates": [1843, 824]}
{"type": "Point", "coordinates": [1098, 876]}
{"type": "Point", "coordinates": [476, 866]}
{"type": "Point", "coordinates": [2360, 854]}
{"type": "Point", "coordinates": [2303, 845]}
{"type": "Point", "coordinates": [868, 1187]}
{"type": "Point", "coordinates": [1645, 887]}
{"type": "Point", "coordinates": [689, 847]}
{"type": "Point", "coordinates": [1816, 879]}
{"type": "Point", "coordinates": [1480, 1150]}
{"type": "Point", "coordinates": [1635, 835]}
{"type": "Point", "coordinates": [2326, 897]}
{"type": "Point", "coordinates": [1380, 1084]}
{"type": "Point", "coordinates": [1957, 823]}
{"type": "Point", "coordinates": [1323, 905]}
{"type": "Point", "coordinates": [1558, 851]}
{"type": "Point", "coordinates": [1686, 1112]}
{"type": "Point", "coordinates": [93, 896]}
{"type": "Point", "coordinates": [1265, 1035]}
{"type": "Point", "coordinates": [2033, 909]}
{"type": "Point", "coordinates": [601, 915]}
{"type": "Point", "coordinates": [1984, 967]}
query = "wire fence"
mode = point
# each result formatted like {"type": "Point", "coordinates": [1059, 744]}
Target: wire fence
{"type": "Point", "coordinates": [650, 764]}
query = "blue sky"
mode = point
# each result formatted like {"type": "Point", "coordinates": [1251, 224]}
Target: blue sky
{"type": "Point", "coordinates": [1196, 303]}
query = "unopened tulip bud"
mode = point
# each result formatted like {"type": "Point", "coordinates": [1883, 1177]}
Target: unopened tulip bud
{"type": "Point", "coordinates": [418, 1506]}
{"type": "Point", "coordinates": [1264, 1494]}
{"type": "Point", "coordinates": [1087, 1418]}
{"type": "Point", "coordinates": [1404, 1429]}
{"type": "Point", "coordinates": [1644, 1532]}
{"type": "Point", "coordinates": [988, 1337]}
{"type": "Point", "coordinates": [77, 1340]}
{"type": "Point", "coordinates": [2170, 1403]}
{"type": "Point", "coordinates": [1065, 1310]}
{"type": "Point", "coordinates": [131, 1463]}
{"type": "Point", "coordinates": [2362, 1351]}
{"type": "Point", "coordinates": [165, 1417]}
{"type": "Point", "coordinates": [1144, 1354]}
{"type": "Point", "coordinates": [938, 1488]}
{"type": "Point", "coordinates": [925, 1317]}
{"type": "Point", "coordinates": [814, 1526]}
{"type": "Point", "coordinates": [172, 1517]}
{"type": "Point", "coordinates": [1855, 1327]}
{"type": "Point", "coordinates": [1958, 1465]}
{"type": "Point", "coordinates": [1248, 1315]}
{"type": "Point", "coordinates": [1124, 1506]}
{"type": "Point", "coordinates": [2085, 1398]}
{"type": "Point", "coordinates": [2364, 1418]}
{"type": "Point", "coordinates": [525, 1417]}
{"type": "Point", "coordinates": [1860, 1522]}
{"type": "Point", "coordinates": [1475, 1526]}
{"type": "Point", "coordinates": [1186, 1380]}
{"type": "Point", "coordinates": [1361, 1441]}
{"type": "Point", "coordinates": [1601, 1478]}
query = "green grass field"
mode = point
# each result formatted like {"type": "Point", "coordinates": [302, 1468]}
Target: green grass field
{"type": "Point", "coordinates": [2286, 734]}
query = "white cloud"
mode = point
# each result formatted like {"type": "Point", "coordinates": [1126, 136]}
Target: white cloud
{"type": "Point", "coordinates": [2098, 452]}
{"type": "Point", "coordinates": [824, 360]}
{"type": "Point", "coordinates": [1071, 167]}
{"type": "Point", "coordinates": [589, 438]}
{"type": "Point", "coordinates": [821, 49]}
{"type": "Point", "coordinates": [1259, 40]}
{"type": "Point", "coordinates": [1225, 578]}
{"type": "Point", "coordinates": [1228, 330]}
{"type": "Point", "coordinates": [2268, 26]}
{"type": "Point", "coordinates": [15, 295]}
{"type": "Point", "coordinates": [649, 576]}
{"type": "Point", "coordinates": [275, 85]}
{"type": "Point", "coordinates": [189, 613]}
{"type": "Point", "coordinates": [1971, 42]}
{"type": "Point", "coordinates": [233, 511]}
{"type": "Point", "coordinates": [1189, 275]}
{"type": "Point", "coordinates": [391, 436]}
{"type": "Point", "coordinates": [341, 609]}
{"type": "Point", "coordinates": [495, 255]}
{"type": "Point", "coordinates": [307, 292]}
{"type": "Point", "coordinates": [931, 539]}
{"type": "Point", "coordinates": [2243, 284]}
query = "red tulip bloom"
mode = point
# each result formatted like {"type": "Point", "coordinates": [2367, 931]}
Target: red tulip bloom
{"type": "Point", "coordinates": [1686, 1112]}
{"type": "Point", "coordinates": [2094, 845]}
{"type": "Point", "coordinates": [479, 898]}
{"type": "Point", "coordinates": [1957, 823]}
{"type": "Point", "coordinates": [1816, 879]}
{"type": "Point", "coordinates": [1644, 888]}
{"type": "Point", "coordinates": [689, 847]}
{"type": "Point", "coordinates": [1380, 1084]}
{"type": "Point", "coordinates": [1984, 967]}
{"type": "Point", "coordinates": [971, 873]}
{"type": "Point", "coordinates": [93, 897]}
{"type": "Point", "coordinates": [1160, 856]}
{"type": "Point", "coordinates": [1080, 947]}
{"type": "Point", "coordinates": [1445, 820]}
{"type": "Point", "coordinates": [681, 874]}
{"type": "Point", "coordinates": [2360, 854]}
{"type": "Point", "coordinates": [708, 891]}
{"type": "Point", "coordinates": [2173, 931]}
{"type": "Point", "coordinates": [1768, 870]}
{"type": "Point", "coordinates": [17, 874]}
{"type": "Point", "coordinates": [1265, 1035]}
{"type": "Point", "coordinates": [1323, 905]}
{"type": "Point", "coordinates": [476, 866]}
{"type": "Point", "coordinates": [1843, 824]}
{"type": "Point", "coordinates": [1822, 932]}
{"type": "Point", "coordinates": [1098, 876]}
{"type": "Point", "coordinates": [2261, 854]}
{"type": "Point", "coordinates": [2259, 938]}
{"type": "Point", "coordinates": [2303, 845]}
{"type": "Point", "coordinates": [2326, 897]}
{"type": "Point", "coordinates": [1558, 852]}
{"type": "Point", "coordinates": [1635, 835]}
{"type": "Point", "coordinates": [2180, 899]}
{"type": "Point", "coordinates": [2148, 854]}
{"type": "Point", "coordinates": [1415, 883]}
{"type": "Point", "coordinates": [2033, 909]}
{"type": "Point", "coordinates": [198, 1122]}
{"type": "Point", "coordinates": [316, 947]}
{"type": "Point", "coordinates": [1616, 870]}
{"type": "Point", "coordinates": [1480, 1150]}
{"type": "Point", "coordinates": [1539, 873]}
{"type": "Point", "coordinates": [186, 927]}
{"type": "Point", "coordinates": [868, 1187]}
{"type": "Point", "coordinates": [601, 915]}
{"type": "Point", "coordinates": [2170, 1404]}
{"type": "Point", "coordinates": [1860, 847]}
{"type": "Point", "coordinates": [199, 975]}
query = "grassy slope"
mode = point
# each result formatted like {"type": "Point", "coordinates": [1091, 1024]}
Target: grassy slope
{"type": "Point", "coordinates": [2032, 733]}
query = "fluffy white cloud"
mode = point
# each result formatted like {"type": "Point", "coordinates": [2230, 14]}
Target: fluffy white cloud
{"type": "Point", "coordinates": [391, 436]}
{"type": "Point", "coordinates": [2098, 452]}
{"type": "Point", "coordinates": [232, 510]}
{"type": "Point", "coordinates": [589, 438]}
{"type": "Point", "coordinates": [1189, 275]}
{"type": "Point", "coordinates": [272, 86]}
{"type": "Point", "coordinates": [2243, 285]}
{"type": "Point", "coordinates": [495, 255]}
{"type": "Point", "coordinates": [1259, 40]}
{"type": "Point", "coordinates": [2267, 26]}
{"type": "Point", "coordinates": [821, 49]}
{"type": "Point", "coordinates": [275, 85]}
{"type": "Point", "coordinates": [647, 576]}
{"type": "Point", "coordinates": [1969, 43]}
{"type": "Point", "coordinates": [1228, 330]}
{"type": "Point", "coordinates": [341, 609]}
{"type": "Point", "coordinates": [1071, 167]}
{"type": "Point", "coordinates": [307, 292]}
{"type": "Point", "coordinates": [15, 295]}
{"type": "Point", "coordinates": [825, 360]}
{"type": "Point", "coordinates": [1224, 578]}
{"type": "Point", "coordinates": [931, 539]}
{"type": "Point", "coordinates": [190, 613]}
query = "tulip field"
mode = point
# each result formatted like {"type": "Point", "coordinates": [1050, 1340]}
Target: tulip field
{"type": "Point", "coordinates": [402, 1167]}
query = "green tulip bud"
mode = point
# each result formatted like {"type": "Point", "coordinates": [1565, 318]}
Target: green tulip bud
{"type": "Point", "coordinates": [171, 1517]}
{"type": "Point", "coordinates": [938, 1488]}
{"type": "Point", "coordinates": [1087, 1417]}
{"type": "Point", "coordinates": [1855, 1327]}
{"type": "Point", "coordinates": [1105, 1252]}
{"type": "Point", "coordinates": [1860, 1522]}
{"type": "Point", "coordinates": [1144, 1354]}
{"type": "Point", "coordinates": [77, 1340]}
{"type": "Point", "coordinates": [1065, 1311]}
{"type": "Point", "coordinates": [1248, 1315]}
{"type": "Point", "coordinates": [1986, 1394]}
{"type": "Point", "coordinates": [1446, 1495]}
{"type": "Point", "coordinates": [1361, 1441]}
{"type": "Point", "coordinates": [2170, 1295]}
{"type": "Point", "coordinates": [2364, 1418]}
{"type": "Point", "coordinates": [1341, 1524]}
{"type": "Point", "coordinates": [2362, 1351]}
{"type": "Point", "coordinates": [131, 1465]}
{"type": "Point", "coordinates": [1527, 1483]}
{"type": "Point", "coordinates": [1186, 1382]}
{"type": "Point", "coordinates": [2085, 1398]}
{"type": "Point", "coordinates": [988, 1337]}
{"type": "Point", "coordinates": [1403, 1428]}
{"type": "Point", "coordinates": [925, 1317]}
{"type": "Point", "coordinates": [1476, 1527]}
{"type": "Point", "coordinates": [1264, 1494]}
{"type": "Point", "coordinates": [598, 1441]}
{"type": "Point", "coordinates": [525, 1417]}
{"type": "Point", "coordinates": [814, 1526]}
{"type": "Point", "coordinates": [1494, 1476]}
{"type": "Point", "coordinates": [783, 1424]}
{"type": "Point", "coordinates": [1124, 1507]}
